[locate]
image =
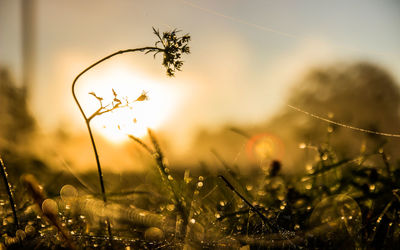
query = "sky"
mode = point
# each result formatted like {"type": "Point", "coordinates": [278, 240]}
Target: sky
{"type": "Point", "coordinates": [245, 55]}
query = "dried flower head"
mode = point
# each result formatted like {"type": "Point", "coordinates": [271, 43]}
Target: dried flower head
{"type": "Point", "coordinates": [174, 47]}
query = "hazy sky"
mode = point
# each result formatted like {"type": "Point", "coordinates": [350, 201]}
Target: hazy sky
{"type": "Point", "coordinates": [245, 54]}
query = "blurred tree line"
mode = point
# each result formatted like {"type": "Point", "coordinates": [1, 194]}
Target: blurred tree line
{"type": "Point", "coordinates": [359, 94]}
{"type": "Point", "coordinates": [17, 130]}
{"type": "Point", "coordinates": [16, 122]}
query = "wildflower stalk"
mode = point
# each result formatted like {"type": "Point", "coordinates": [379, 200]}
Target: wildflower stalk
{"type": "Point", "coordinates": [89, 119]}
{"type": "Point", "coordinates": [9, 191]}
{"type": "Point", "coordinates": [172, 48]}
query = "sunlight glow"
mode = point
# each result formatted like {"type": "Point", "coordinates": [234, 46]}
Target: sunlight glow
{"type": "Point", "coordinates": [163, 99]}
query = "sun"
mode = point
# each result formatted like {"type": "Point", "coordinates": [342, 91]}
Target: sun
{"type": "Point", "coordinates": [115, 126]}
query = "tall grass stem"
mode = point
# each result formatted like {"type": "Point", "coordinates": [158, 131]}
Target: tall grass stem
{"type": "Point", "coordinates": [3, 171]}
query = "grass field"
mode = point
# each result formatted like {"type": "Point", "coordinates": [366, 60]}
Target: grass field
{"type": "Point", "coordinates": [338, 203]}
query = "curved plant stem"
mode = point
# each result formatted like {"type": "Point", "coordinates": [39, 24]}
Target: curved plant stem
{"type": "Point", "coordinates": [87, 120]}
{"type": "Point", "coordinates": [9, 192]}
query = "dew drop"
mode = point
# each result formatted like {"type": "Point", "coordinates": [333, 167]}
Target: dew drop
{"type": "Point", "coordinates": [20, 234]}
{"type": "Point", "coordinates": [309, 168]}
{"type": "Point", "coordinates": [29, 229]}
{"type": "Point", "coordinates": [68, 193]}
{"type": "Point", "coordinates": [187, 177]}
{"type": "Point", "coordinates": [170, 207]}
{"type": "Point", "coordinates": [335, 212]}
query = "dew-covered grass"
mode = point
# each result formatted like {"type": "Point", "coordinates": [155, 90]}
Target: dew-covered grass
{"type": "Point", "coordinates": [349, 203]}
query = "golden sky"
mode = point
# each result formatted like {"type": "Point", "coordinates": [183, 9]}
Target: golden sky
{"type": "Point", "coordinates": [245, 55]}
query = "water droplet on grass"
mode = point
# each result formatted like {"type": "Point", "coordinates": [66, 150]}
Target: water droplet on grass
{"type": "Point", "coordinates": [170, 207]}
{"type": "Point", "coordinates": [372, 187]}
{"type": "Point", "coordinates": [68, 193]}
{"type": "Point", "coordinates": [20, 234]}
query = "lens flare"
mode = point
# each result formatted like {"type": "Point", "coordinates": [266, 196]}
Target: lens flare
{"type": "Point", "coordinates": [264, 146]}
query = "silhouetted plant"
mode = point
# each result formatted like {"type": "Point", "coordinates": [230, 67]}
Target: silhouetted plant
{"type": "Point", "coordinates": [116, 103]}
{"type": "Point", "coordinates": [172, 47]}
